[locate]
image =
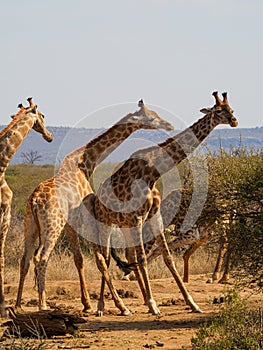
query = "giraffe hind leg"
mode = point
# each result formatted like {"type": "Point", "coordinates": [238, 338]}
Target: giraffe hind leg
{"type": "Point", "coordinates": [79, 262]}
{"type": "Point", "coordinates": [24, 265]}
{"type": "Point", "coordinates": [48, 240]}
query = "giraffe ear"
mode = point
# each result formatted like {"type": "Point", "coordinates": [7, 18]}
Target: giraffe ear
{"type": "Point", "coordinates": [205, 110]}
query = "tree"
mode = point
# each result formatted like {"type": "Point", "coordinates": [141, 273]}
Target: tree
{"type": "Point", "coordinates": [31, 157]}
{"type": "Point", "coordinates": [248, 233]}
{"type": "Point", "coordinates": [236, 184]}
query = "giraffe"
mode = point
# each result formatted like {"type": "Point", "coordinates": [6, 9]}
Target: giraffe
{"type": "Point", "coordinates": [223, 261]}
{"type": "Point", "coordinates": [11, 137]}
{"type": "Point", "coordinates": [54, 205]}
{"type": "Point", "coordinates": [204, 238]}
{"type": "Point", "coordinates": [181, 239]}
{"type": "Point", "coordinates": [173, 210]}
{"type": "Point", "coordinates": [130, 196]}
{"type": "Point", "coordinates": [194, 237]}
{"type": "Point", "coordinates": [190, 239]}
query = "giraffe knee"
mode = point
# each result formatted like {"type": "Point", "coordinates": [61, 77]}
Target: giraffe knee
{"type": "Point", "coordinates": [168, 259]}
{"type": "Point", "coordinates": [100, 261]}
{"type": "Point", "coordinates": [2, 262]}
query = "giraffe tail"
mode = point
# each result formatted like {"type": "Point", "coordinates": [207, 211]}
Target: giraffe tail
{"type": "Point", "coordinates": [123, 265]}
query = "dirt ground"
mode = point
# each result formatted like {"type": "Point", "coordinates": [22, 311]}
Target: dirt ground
{"type": "Point", "coordinates": [172, 330]}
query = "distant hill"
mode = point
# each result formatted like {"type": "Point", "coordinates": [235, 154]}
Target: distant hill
{"type": "Point", "coordinates": [67, 139]}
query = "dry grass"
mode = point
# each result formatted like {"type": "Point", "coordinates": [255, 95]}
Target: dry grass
{"type": "Point", "coordinates": [61, 265]}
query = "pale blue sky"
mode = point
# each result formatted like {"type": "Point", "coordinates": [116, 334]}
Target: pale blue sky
{"type": "Point", "coordinates": [76, 56]}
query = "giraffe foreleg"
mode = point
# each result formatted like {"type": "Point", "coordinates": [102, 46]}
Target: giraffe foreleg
{"type": "Point", "coordinates": [5, 218]}
{"type": "Point", "coordinates": [131, 257]}
{"type": "Point", "coordinates": [102, 266]}
{"type": "Point", "coordinates": [142, 261]}
{"type": "Point", "coordinates": [101, 233]}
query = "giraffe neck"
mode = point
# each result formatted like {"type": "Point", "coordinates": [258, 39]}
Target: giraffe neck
{"type": "Point", "coordinates": [190, 138]}
{"type": "Point", "coordinates": [11, 138]}
{"type": "Point", "coordinates": [175, 149]}
{"type": "Point", "coordinates": [101, 146]}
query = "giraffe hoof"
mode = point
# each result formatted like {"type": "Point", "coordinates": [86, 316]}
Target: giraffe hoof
{"type": "Point", "coordinates": [154, 312]}
{"type": "Point", "coordinates": [126, 313]}
{"type": "Point", "coordinates": [197, 311]}
{"type": "Point", "coordinates": [99, 313]}
{"type": "Point", "coordinates": [88, 310]}
{"type": "Point", "coordinates": [153, 309]}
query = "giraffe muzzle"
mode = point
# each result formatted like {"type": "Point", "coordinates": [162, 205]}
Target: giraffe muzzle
{"type": "Point", "coordinates": [48, 137]}
{"type": "Point", "coordinates": [234, 123]}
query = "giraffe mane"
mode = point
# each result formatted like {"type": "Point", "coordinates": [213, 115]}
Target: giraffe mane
{"type": "Point", "coordinates": [12, 123]}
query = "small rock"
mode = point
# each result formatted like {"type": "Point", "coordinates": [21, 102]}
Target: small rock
{"type": "Point", "coordinates": [159, 344]}
{"type": "Point", "coordinates": [149, 346]}
{"type": "Point", "coordinates": [61, 291]}
{"type": "Point", "coordinates": [32, 302]}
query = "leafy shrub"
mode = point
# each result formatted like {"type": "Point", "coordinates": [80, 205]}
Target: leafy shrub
{"type": "Point", "coordinates": [236, 327]}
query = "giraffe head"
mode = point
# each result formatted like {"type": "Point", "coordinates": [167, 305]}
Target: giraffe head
{"type": "Point", "coordinates": [147, 119]}
{"type": "Point", "coordinates": [222, 112]}
{"type": "Point", "coordinates": [38, 117]}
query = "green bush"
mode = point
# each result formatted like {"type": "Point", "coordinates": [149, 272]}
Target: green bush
{"type": "Point", "coordinates": [235, 328]}
{"type": "Point", "coordinates": [235, 205]}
